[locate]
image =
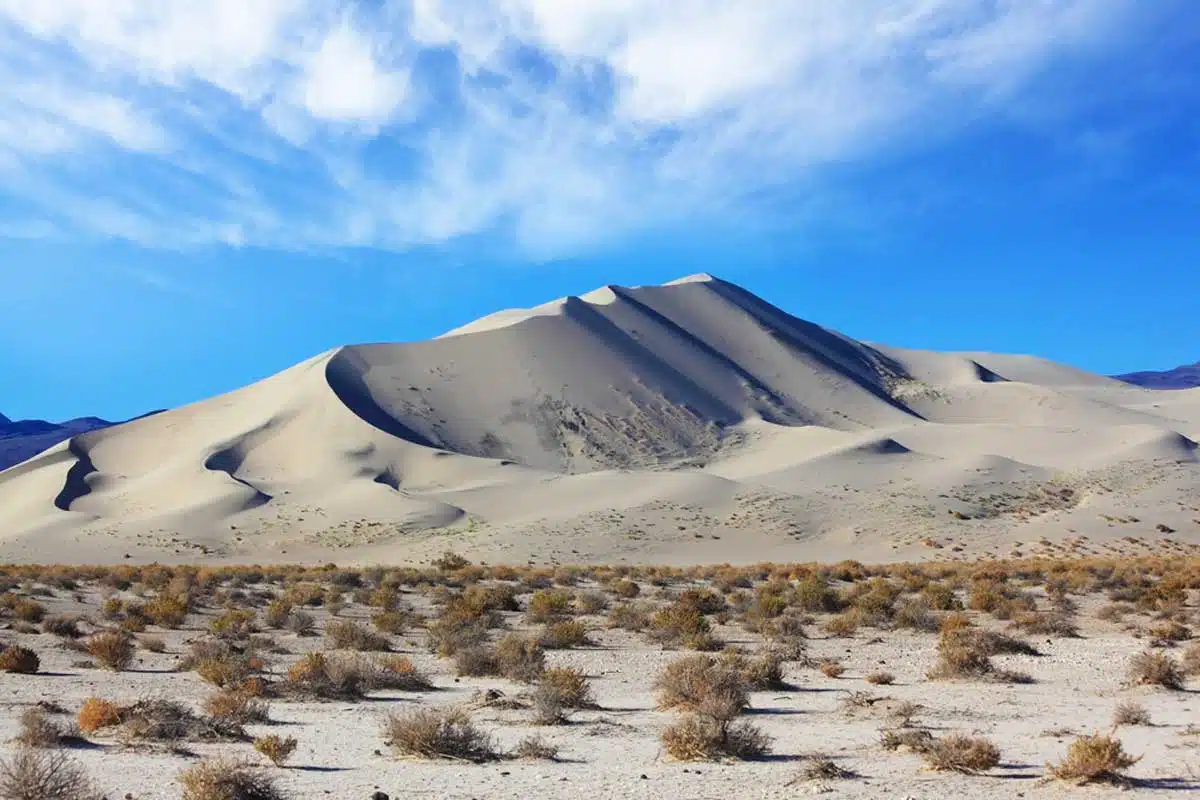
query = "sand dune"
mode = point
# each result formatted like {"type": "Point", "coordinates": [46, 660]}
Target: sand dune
{"type": "Point", "coordinates": [689, 421]}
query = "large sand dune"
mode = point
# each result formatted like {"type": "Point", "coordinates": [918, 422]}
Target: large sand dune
{"type": "Point", "coordinates": [686, 422]}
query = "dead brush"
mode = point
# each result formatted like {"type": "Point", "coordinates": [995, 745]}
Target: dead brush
{"type": "Point", "coordinates": [535, 748]}
{"type": "Point", "coordinates": [438, 734]}
{"type": "Point", "coordinates": [114, 650]}
{"type": "Point", "coordinates": [970, 755]}
{"type": "Point", "coordinates": [237, 707]}
{"type": "Point", "coordinates": [228, 780]}
{"type": "Point", "coordinates": [31, 774]}
{"type": "Point", "coordinates": [822, 768]}
{"type": "Point", "coordinates": [520, 658]}
{"type": "Point", "coordinates": [39, 730]}
{"type": "Point", "coordinates": [570, 685]}
{"type": "Point", "coordinates": [705, 684]}
{"type": "Point", "coordinates": [564, 635]}
{"type": "Point", "coordinates": [700, 737]}
{"type": "Point", "coordinates": [19, 660]}
{"type": "Point", "coordinates": [97, 713]}
{"type": "Point", "coordinates": [1094, 759]}
{"type": "Point", "coordinates": [1155, 669]}
{"type": "Point", "coordinates": [278, 749]}
{"type": "Point", "coordinates": [916, 740]}
{"type": "Point", "coordinates": [159, 720]}
{"type": "Point", "coordinates": [1130, 713]}
{"type": "Point", "coordinates": [347, 635]}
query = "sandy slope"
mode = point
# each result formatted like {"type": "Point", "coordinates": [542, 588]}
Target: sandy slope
{"type": "Point", "coordinates": [685, 422]}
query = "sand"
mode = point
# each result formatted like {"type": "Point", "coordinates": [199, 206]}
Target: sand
{"type": "Point", "coordinates": [685, 423]}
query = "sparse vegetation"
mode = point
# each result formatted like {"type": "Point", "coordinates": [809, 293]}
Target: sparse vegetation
{"type": "Point", "coordinates": [1094, 759]}
{"type": "Point", "coordinates": [438, 733]}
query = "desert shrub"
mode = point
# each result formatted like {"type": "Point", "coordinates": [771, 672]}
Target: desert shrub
{"type": "Point", "coordinates": [881, 678]}
{"type": "Point", "coordinates": [683, 625]}
{"type": "Point", "coordinates": [536, 748]}
{"type": "Point", "coordinates": [449, 634]}
{"type": "Point", "coordinates": [438, 733]}
{"type": "Point", "coordinates": [397, 673]}
{"type": "Point", "coordinates": [548, 605]}
{"type": "Point", "coordinates": [845, 624]}
{"type": "Point", "coordinates": [762, 672]}
{"type": "Point", "coordinates": [563, 635]}
{"type": "Point", "coordinates": [1190, 663]}
{"type": "Point", "coordinates": [277, 612]}
{"type": "Point", "coordinates": [325, 677]}
{"type": "Point", "coordinates": [698, 737]}
{"type": "Point", "coordinates": [97, 713]}
{"type": "Point", "coordinates": [20, 660]}
{"type": "Point", "coordinates": [393, 622]}
{"type": "Point", "coordinates": [112, 649]}
{"type": "Point", "coordinates": [548, 706]}
{"type": "Point", "coordinates": [301, 623]}
{"type": "Point", "coordinates": [966, 653]}
{"type": "Point", "coordinates": [29, 611]}
{"type": "Point", "coordinates": [570, 685]}
{"type": "Point", "coordinates": [813, 594]}
{"type": "Point", "coordinates": [228, 780]}
{"type": "Point", "coordinates": [1094, 759]}
{"type": "Point", "coordinates": [820, 768]}
{"type": "Point", "coordinates": [234, 624]}
{"type": "Point", "coordinates": [347, 635]}
{"type": "Point", "coordinates": [39, 730]}
{"type": "Point", "coordinates": [960, 753]}
{"type": "Point", "coordinates": [917, 740]}
{"type": "Point", "coordinates": [476, 662]}
{"type": "Point", "coordinates": [1155, 669]}
{"type": "Point", "coordinates": [941, 597]}
{"type": "Point", "coordinates": [152, 644]}
{"type": "Point", "coordinates": [625, 589]}
{"type": "Point", "coordinates": [914, 615]}
{"type": "Point", "coordinates": [64, 626]}
{"type": "Point", "coordinates": [1046, 624]}
{"type": "Point", "coordinates": [155, 719]}
{"type": "Point", "coordinates": [36, 775]}
{"type": "Point", "coordinates": [1129, 713]}
{"type": "Point", "coordinates": [590, 602]}
{"type": "Point", "coordinates": [520, 658]}
{"type": "Point", "coordinates": [704, 684]}
{"type": "Point", "coordinates": [167, 611]}
{"type": "Point", "coordinates": [831, 669]}
{"type": "Point", "coordinates": [1171, 631]}
{"type": "Point", "coordinates": [630, 616]}
{"type": "Point", "coordinates": [276, 748]}
{"type": "Point", "coordinates": [237, 706]}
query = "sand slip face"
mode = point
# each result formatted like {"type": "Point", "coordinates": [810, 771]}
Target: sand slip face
{"type": "Point", "coordinates": [686, 422]}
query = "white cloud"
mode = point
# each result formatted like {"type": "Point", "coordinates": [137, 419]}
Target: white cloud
{"type": "Point", "coordinates": [310, 123]}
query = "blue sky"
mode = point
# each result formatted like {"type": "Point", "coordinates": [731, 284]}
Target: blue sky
{"type": "Point", "coordinates": [194, 195]}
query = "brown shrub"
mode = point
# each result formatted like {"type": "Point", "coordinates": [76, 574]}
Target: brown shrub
{"type": "Point", "coordinates": [703, 684]}
{"type": "Point", "coordinates": [39, 730]}
{"type": "Point", "coordinates": [97, 713]}
{"type": "Point", "coordinates": [1129, 713]}
{"type": "Point", "coordinates": [35, 775]}
{"type": "Point", "coordinates": [234, 624]}
{"type": "Point", "coordinates": [277, 612]}
{"type": "Point", "coordinates": [1190, 663]}
{"type": "Point", "coordinates": [277, 748]}
{"type": "Point", "coordinates": [393, 622]}
{"type": "Point", "coordinates": [438, 733]}
{"type": "Point", "coordinates": [29, 611]}
{"type": "Point", "coordinates": [476, 662]}
{"type": "Point", "coordinates": [630, 616]}
{"type": "Point", "coordinates": [626, 589]}
{"type": "Point", "coordinates": [698, 737]}
{"type": "Point", "coordinates": [570, 685]}
{"type": "Point", "coordinates": [347, 635]}
{"type": "Point", "coordinates": [228, 780]}
{"type": "Point", "coordinates": [20, 660]}
{"type": "Point", "coordinates": [831, 669]}
{"type": "Point", "coordinates": [112, 649]}
{"type": "Point", "coordinates": [548, 605]}
{"type": "Point", "coordinates": [167, 611]}
{"type": "Point", "coordinates": [237, 707]}
{"type": "Point", "coordinates": [1155, 669]}
{"type": "Point", "coordinates": [1094, 759]}
{"type": "Point", "coordinates": [520, 658]}
{"type": "Point", "coordinates": [563, 635]}
{"type": "Point", "coordinates": [881, 678]}
{"type": "Point", "coordinates": [535, 748]}
{"type": "Point", "coordinates": [960, 753]}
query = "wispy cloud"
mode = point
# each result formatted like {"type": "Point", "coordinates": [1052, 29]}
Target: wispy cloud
{"type": "Point", "coordinates": [556, 125]}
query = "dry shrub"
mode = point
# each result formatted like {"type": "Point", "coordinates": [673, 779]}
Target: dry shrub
{"type": "Point", "coordinates": [698, 737]}
{"type": "Point", "coordinates": [277, 748]}
{"type": "Point", "coordinates": [547, 705]}
{"type": "Point", "coordinates": [761, 672]}
{"type": "Point", "coordinates": [1171, 631]}
{"type": "Point", "coordinates": [237, 707]}
{"type": "Point", "coordinates": [152, 644]}
{"type": "Point", "coordinates": [570, 685]}
{"type": "Point", "coordinates": [683, 625]}
{"type": "Point", "coordinates": [397, 673]}
{"type": "Point", "coordinates": [112, 649]}
{"type": "Point", "coordinates": [392, 622]}
{"type": "Point", "coordinates": [476, 662]}
{"type": "Point", "coordinates": [234, 624]}
{"type": "Point", "coordinates": [625, 589]}
{"type": "Point", "coordinates": [156, 719]}
{"type": "Point", "coordinates": [97, 713]}
{"type": "Point", "coordinates": [703, 684]}
{"type": "Point", "coordinates": [302, 623]}
{"type": "Point", "coordinates": [548, 605]}
{"type": "Point", "coordinates": [438, 733]}
{"type": "Point", "coordinates": [228, 780]}
{"type": "Point", "coordinates": [520, 658]}
{"type": "Point", "coordinates": [881, 678]}
{"type": "Point", "coordinates": [29, 611]}
{"type": "Point", "coordinates": [966, 653]}
{"type": "Point", "coordinates": [917, 740]}
{"type": "Point", "coordinates": [630, 616]}
{"type": "Point", "coordinates": [39, 730]}
{"type": "Point", "coordinates": [1129, 713]}
{"type": "Point", "coordinates": [563, 635]}
{"type": "Point", "coordinates": [831, 669]}
{"type": "Point", "coordinates": [590, 602]}
{"type": "Point", "coordinates": [535, 748]}
{"type": "Point", "coordinates": [960, 753]}
{"type": "Point", "coordinates": [1155, 669]}
{"type": "Point", "coordinates": [276, 613]}
{"type": "Point", "coordinates": [845, 624]}
{"type": "Point", "coordinates": [167, 611]}
{"type": "Point", "coordinates": [19, 660]}
{"type": "Point", "coordinates": [821, 768]}
{"type": "Point", "coordinates": [66, 627]}
{"type": "Point", "coordinates": [1094, 759]}
{"type": "Point", "coordinates": [346, 676]}
{"type": "Point", "coordinates": [450, 633]}
{"type": "Point", "coordinates": [228, 670]}
{"type": "Point", "coordinates": [347, 635]}
{"type": "Point", "coordinates": [35, 775]}
{"type": "Point", "coordinates": [1190, 663]}
{"type": "Point", "coordinates": [1047, 624]}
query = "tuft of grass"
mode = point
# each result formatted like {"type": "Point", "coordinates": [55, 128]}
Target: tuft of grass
{"type": "Point", "coordinates": [1094, 759]}
{"type": "Point", "coordinates": [276, 748]}
{"type": "Point", "coordinates": [39, 775]}
{"type": "Point", "coordinates": [347, 635]}
{"type": "Point", "coordinates": [1130, 713]}
{"type": "Point", "coordinates": [535, 748]}
{"type": "Point", "coordinates": [438, 734]}
{"type": "Point", "coordinates": [228, 780]}
{"type": "Point", "coordinates": [958, 752]}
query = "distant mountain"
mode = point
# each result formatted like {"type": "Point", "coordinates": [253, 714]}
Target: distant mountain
{"type": "Point", "coordinates": [1185, 377]}
{"type": "Point", "coordinates": [23, 439]}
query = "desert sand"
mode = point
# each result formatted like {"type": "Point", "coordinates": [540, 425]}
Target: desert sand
{"type": "Point", "coordinates": [686, 423]}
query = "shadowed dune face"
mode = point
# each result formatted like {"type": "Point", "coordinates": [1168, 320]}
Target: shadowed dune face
{"type": "Point", "coordinates": [688, 421]}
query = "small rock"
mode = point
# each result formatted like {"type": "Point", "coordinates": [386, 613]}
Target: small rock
{"type": "Point", "coordinates": [380, 796]}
